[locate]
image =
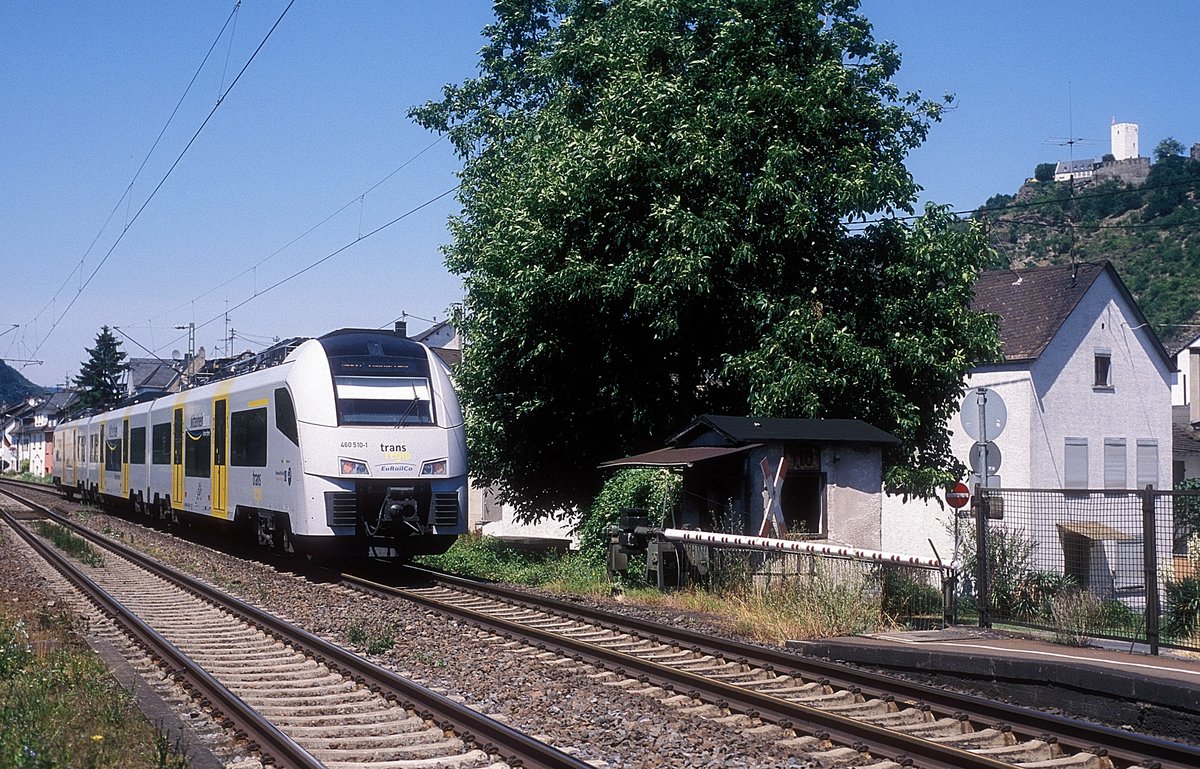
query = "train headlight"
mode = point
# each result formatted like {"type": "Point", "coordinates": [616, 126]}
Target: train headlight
{"type": "Point", "coordinates": [353, 467]}
{"type": "Point", "coordinates": [436, 467]}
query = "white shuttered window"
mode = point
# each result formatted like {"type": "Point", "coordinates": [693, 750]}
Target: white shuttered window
{"type": "Point", "coordinates": [1075, 463]}
{"type": "Point", "coordinates": [1147, 462]}
{"type": "Point", "coordinates": [1115, 474]}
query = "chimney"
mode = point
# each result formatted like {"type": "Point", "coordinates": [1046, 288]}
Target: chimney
{"type": "Point", "coordinates": [402, 329]}
{"type": "Point", "coordinates": [1192, 393]}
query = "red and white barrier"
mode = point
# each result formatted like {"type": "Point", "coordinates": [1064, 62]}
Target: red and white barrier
{"type": "Point", "coordinates": [792, 546]}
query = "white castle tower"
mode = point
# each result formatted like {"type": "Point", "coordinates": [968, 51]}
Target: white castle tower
{"type": "Point", "coordinates": [1124, 140]}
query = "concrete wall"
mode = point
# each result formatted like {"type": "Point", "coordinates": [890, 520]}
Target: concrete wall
{"type": "Point", "coordinates": [854, 506]}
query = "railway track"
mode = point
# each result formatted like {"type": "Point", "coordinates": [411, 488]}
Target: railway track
{"type": "Point", "coordinates": [869, 713]}
{"type": "Point", "coordinates": [293, 698]}
{"type": "Point", "coordinates": [825, 714]}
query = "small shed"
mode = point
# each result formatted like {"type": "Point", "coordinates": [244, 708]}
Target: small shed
{"type": "Point", "coordinates": [814, 478]}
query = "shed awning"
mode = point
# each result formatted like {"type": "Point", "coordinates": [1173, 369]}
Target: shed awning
{"type": "Point", "coordinates": [680, 457]}
{"type": "Point", "coordinates": [1097, 532]}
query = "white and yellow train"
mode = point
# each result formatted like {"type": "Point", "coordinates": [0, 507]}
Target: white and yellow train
{"type": "Point", "coordinates": [354, 441]}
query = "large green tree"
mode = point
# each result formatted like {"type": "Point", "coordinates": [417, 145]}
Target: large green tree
{"type": "Point", "coordinates": [99, 380]}
{"type": "Point", "coordinates": [658, 206]}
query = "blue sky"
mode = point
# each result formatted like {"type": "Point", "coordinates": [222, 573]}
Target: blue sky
{"type": "Point", "coordinates": [318, 119]}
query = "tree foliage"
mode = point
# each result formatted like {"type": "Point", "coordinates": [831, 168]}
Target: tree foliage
{"type": "Point", "coordinates": [1044, 172]}
{"type": "Point", "coordinates": [1168, 148]}
{"type": "Point", "coordinates": [99, 379]}
{"type": "Point", "coordinates": [655, 205]}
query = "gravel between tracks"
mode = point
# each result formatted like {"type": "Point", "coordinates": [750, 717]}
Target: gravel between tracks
{"type": "Point", "coordinates": [559, 703]}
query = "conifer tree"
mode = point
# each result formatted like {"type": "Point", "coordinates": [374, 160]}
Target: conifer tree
{"type": "Point", "coordinates": [99, 379]}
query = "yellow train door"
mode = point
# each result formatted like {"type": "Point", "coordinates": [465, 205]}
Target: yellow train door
{"type": "Point", "coordinates": [177, 458]}
{"type": "Point", "coordinates": [220, 433]}
{"type": "Point", "coordinates": [103, 455]}
{"type": "Point", "coordinates": [125, 458]}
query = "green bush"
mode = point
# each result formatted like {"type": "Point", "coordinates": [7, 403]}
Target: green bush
{"type": "Point", "coordinates": [655, 490]}
{"type": "Point", "coordinates": [904, 597]}
{"type": "Point", "coordinates": [1181, 613]}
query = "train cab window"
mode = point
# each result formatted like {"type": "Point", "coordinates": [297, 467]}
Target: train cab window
{"type": "Point", "coordinates": [248, 438]}
{"type": "Point", "coordinates": [160, 444]}
{"type": "Point", "coordinates": [285, 415]}
{"type": "Point", "coordinates": [197, 453]}
{"type": "Point", "coordinates": [383, 400]}
{"type": "Point", "coordinates": [137, 446]}
{"type": "Point", "coordinates": [112, 455]}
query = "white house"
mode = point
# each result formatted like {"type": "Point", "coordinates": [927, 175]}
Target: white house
{"type": "Point", "coordinates": [1082, 170]}
{"type": "Point", "coordinates": [1086, 385]}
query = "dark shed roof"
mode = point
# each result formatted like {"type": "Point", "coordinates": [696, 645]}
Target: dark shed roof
{"type": "Point", "coordinates": [737, 430]}
{"type": "Point", "coordinates": [685, 457]}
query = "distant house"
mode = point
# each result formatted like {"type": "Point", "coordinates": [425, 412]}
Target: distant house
{"type": "Point", "coordinates": [1086, 385]}
{"type": "Point", "coordinates": [31, 431]}
{"type": "Point", "coordinates": [815, 478]}
{"type": "Point", "coordinates": [443, 338]}
{"type": "Point", "coordinates": [1078, 170]}
{"type": "Point", "coordinates": [152, 376]}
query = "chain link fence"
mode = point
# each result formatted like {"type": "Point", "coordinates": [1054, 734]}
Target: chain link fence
{"type": "Point", "coordinates": [1084, 563]}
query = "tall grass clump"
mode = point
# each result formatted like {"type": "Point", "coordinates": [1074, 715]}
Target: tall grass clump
{"type": "Point", "coordinates": [72, 545]}
{"type": "Point", "coordinates": [475, 555]}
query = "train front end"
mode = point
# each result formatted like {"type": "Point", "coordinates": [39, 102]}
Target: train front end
{"type": "Point", "coordinates": [382, 444]}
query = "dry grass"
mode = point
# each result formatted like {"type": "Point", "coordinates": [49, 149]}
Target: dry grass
{"type": "Point", "coordinates": [810, 608]}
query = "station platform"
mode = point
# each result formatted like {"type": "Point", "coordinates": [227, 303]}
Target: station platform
{"type": "Point", "coordinates": [1110, 682]}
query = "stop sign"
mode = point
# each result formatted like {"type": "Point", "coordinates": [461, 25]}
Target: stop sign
{"type": "Point", "coordinates": [958, 495]}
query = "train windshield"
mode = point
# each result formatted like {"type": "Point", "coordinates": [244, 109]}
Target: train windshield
{"type": "Point", "coordinates": [383, 400]}
{"type": "Point", "coordinates": [380, 378]}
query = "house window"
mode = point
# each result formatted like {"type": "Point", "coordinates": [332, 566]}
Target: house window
{"type": "Point", "coordinates": [1114, 464]}
{"type": "Point", "coordinates": [1075, 463]}
{"type": "Point", "coordinates": [1147, 462]}
{"type": "Point", "coordinates": [1103, 368]}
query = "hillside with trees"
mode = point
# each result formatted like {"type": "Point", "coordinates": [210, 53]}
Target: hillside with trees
{"type": "Point", "coordinates": [1149, 231]}
{"type": "Point", "coordinates": [14, 387]}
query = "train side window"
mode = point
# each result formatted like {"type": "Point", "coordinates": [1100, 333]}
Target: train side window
{"type": "Point", "coordinates": [95, 452]}
{"type": "Point", "coordinates": [248, 438]}
{"type": "Point", "coordinates": [112, 455]}
{"type": "Point", "coordinates": [160, 444]}
{"type": "Point", "coordinates": [285, 415]}
{"type": "Point", "coordinates": [197, 454]}
{"type": "Point", "coordinates": [137, 446]}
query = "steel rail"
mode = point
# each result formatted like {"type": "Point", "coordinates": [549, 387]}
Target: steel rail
{"type": "Point", "coordinates": [878, 741]}
{"type": "Point", "coordinates": [274, 746]}
{"type": "Point", "coordinates": [1126, 747]}
{"type": "Point", "coordinates": [490, 735]}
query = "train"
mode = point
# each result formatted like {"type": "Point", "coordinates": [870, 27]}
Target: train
{"type": "Point", "coordinates": [351, 444]}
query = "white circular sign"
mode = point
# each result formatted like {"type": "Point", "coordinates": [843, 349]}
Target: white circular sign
{"type": "Point", "coordinates": [993, 458]}
{"type": "Point", "coordinates": [983, 414]}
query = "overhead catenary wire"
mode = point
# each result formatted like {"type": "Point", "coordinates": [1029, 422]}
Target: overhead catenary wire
{"type": "Point", "coordinates": [320, 261]}
{"type": "Point", "coordinates": [127, 195]}
{"type": "Point", "coordinates": [356, 199]}
{"type": "Point", "coordinates": [165, 176]}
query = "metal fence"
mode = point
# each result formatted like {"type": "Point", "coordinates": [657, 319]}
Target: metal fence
{"type": "Point", "coordinates": [1086, 563]}
{"type": "Point", "coordinates": [870, 590]}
